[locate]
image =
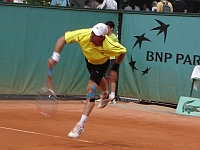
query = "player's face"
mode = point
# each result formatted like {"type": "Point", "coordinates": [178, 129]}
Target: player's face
{"type": "Point", "coordinates": [97, 40]}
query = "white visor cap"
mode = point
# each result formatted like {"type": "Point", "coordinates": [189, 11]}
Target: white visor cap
{"type": "Point", "coordinates": [100, 29]}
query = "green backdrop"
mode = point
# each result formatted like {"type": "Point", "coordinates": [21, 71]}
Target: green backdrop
{"type": "Point", "coordinates": [162, 52]}
{"type": "Point", "coordinates": [156, 67]}
{"type": "Point", "coordinates": [27, 39]}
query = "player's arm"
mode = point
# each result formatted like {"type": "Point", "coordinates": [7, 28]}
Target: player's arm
{"type": "Point", "coordinates": [118, 61]}
{"type": "Point", "coordinates": [60, 44]}
{"type": "Point", "coordinates": [120, 52]}
{"type": "Point", "coordinates": [120, 58]}
{"type": "Point", "coordinates": [57, 50]}
{"type": "Point", "coordinates": [115, 67]}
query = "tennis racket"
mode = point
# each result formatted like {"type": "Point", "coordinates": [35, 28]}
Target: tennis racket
{"type": "Point", "coordinates": [46, 101]}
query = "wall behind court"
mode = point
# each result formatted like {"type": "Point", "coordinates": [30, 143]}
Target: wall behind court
{"type": "Point", "coordinates": [158, 68]}
{"type": "Point", "coordinates": [162, 52]}
{"type": "Point", "coordinates": [27, 38]}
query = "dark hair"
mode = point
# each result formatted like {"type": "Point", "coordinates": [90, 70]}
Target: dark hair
{"type": "Point", "coordinates": [110, 24]}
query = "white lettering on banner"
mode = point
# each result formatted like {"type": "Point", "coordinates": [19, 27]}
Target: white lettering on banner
{"type": "Point", "coordinates": [177, 58]}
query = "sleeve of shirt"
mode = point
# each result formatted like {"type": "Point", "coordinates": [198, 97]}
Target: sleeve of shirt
{"type": "Point", "coordinates": [114, 48]}
{"type": "Point", "coordinates": [118, 49]}
{"type": "Point", "coordinates": [75, 36]}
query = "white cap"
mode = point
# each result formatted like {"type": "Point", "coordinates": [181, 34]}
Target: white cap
{"type": "Point", "coordinates": [100, 29]}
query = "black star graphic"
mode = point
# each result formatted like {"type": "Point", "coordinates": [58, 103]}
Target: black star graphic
{"type": "Point", "coordinates": [140, 39]}
{"type": "Point", "coordinates": [132, 64]}
{"type": "Point", "coordinates": [163, 28]}
{"type": "Point", "coordinates": [146, 71]}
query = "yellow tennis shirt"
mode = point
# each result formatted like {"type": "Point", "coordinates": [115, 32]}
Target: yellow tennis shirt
{"type": "Point", "coordinates": [94, 54]}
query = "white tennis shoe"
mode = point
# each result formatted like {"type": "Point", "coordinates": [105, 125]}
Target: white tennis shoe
{"type": "Point", "coordinates": [113, 102]}
{"type": "Point", "coordinates": [76, 131]}
{"type": "Point", "coordinates": [98, 100]}
{"type": "Point", "coordinates": [104, 102]}
{"type": "Point", "coordinates": [101, 97]}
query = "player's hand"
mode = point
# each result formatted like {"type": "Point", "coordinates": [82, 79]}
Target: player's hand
{"type": "Point", "coordinates": [51, 63]}
{"type": "Point", "coordinates": [113, 76]}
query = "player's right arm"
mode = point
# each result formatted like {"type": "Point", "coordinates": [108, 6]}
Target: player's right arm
{"type": "Point", "coordinates": [69, 37]}
{"type": "Point", "coordinates": [57, 50]}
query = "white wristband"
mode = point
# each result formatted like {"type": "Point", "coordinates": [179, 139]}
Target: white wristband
{"type": "Point", "coordinates": [56, 56]}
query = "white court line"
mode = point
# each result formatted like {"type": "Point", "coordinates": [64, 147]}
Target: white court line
{"type": "Point", "coordinates": [60, 137]}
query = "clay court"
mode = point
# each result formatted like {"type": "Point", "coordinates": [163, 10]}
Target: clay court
{"type": "Point", "coordinates": [118, 126]}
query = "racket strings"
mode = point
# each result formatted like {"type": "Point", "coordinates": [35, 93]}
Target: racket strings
{"type": "Point", "coordinates": [47, 101]}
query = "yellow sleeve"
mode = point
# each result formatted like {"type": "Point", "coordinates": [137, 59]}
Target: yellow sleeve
{"type": "Point", "coordinates": [113, 48]}
{"type": "Point", "coordinates": [76, 36]}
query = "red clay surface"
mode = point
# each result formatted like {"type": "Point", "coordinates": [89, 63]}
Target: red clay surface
{"type": "Point", "coordinates": [121, 126]}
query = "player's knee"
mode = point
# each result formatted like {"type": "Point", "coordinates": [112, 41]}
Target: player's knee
{"type": "Point", "coordinates": [91, 93]}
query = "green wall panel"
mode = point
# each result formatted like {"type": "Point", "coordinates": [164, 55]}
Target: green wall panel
{"type": "Point", "coordinates": [163, 65]}
{"type": "Point", "coordinates": [27, 39]}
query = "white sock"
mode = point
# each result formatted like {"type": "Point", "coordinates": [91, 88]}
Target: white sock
{"type": "Point", "coordinates": [83, 120]}
{"type": "Point", "coordinates": [112, 93]}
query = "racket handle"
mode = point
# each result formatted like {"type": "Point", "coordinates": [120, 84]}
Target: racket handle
{"type": "Point", "coordinates": [50, 72]}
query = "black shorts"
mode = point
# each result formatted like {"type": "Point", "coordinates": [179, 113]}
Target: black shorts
{"type": "Point", "coordinates": [97, 71]}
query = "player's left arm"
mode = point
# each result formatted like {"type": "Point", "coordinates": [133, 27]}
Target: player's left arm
{"type": "Point", "coordinates": [120, 58]}
{"type": "Point", "coordinates": [115, 68]}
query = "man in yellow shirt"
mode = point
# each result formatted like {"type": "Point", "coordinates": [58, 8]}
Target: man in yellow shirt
{"type": "Point", "coordinates": [97, 48]}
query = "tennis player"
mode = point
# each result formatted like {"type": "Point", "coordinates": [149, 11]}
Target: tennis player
{"type": "Point", "coordinates": [97, 48]}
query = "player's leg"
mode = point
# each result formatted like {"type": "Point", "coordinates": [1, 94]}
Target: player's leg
{"type": "Point", "coordinates": [90, 102]}
{"type": "Point", "coordinates": [96, 74]}
{"type": "Point", "coordinates": [112, 85]}
{"type": "Point", "coordinates": [112, 93]}
{"type": "Point", "coordinates": [104, 89]}
{"type": "Point", "coordinates": [90, 98]}
{"type": "Point", "coordinates": [105, 95]}
{"type": "Point", "coordinates": [104, 84]}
